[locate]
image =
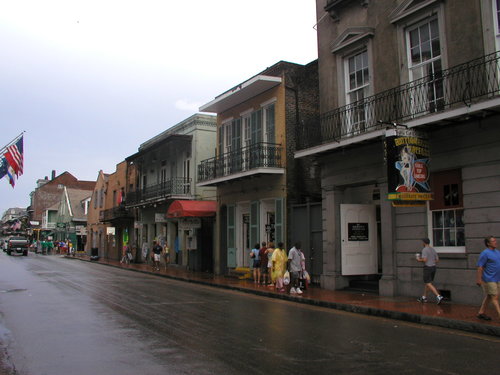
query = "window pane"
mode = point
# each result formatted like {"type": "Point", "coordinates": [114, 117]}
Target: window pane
{"type": "Point", "coordinates": [359, 78]}
{"type": "Point", "coordinates": [437, 237]}
{"type": "Point", "coordinates": [434, 29]}
{"type": "Point", "coordinates": [424, 33]}
{"type": "Point", "coordinates": [436, 48]}
{"type": "Point", "coordinates": [449, 237]}
{"type": "Point", "coordinates": [414, 42]}
{"type": "Point", "coordinates": [449, 219]}
{"type": "Point", "coordinates": [351, 65]}
{"type": "Point", "coordinates": [459, 217]}
{"type": "Point", "coordinates": [426, 51]}
{"type": "Point", "coordinates": [415, 55]}
{"type": "Point", "coordinates": [365, 76]}
{"type": "Point", "coordinates": [437, 219]}
{"type": "Point", "coordinates": [352, 81]}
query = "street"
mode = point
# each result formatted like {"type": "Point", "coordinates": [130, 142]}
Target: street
{"type": "Point", "coordinates": [64, 316]}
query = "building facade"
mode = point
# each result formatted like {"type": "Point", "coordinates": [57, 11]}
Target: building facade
{"type": "Point", "coordinates": [45, 200]}
{"type": "Point", "coordinates": [166, 174]}
{"type": "Point", "coordinates": [407, 140]}
{"type": "Point", "coordinates": [253, 168]}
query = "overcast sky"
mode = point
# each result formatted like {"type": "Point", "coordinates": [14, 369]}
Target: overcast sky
{"type": "Point", "coordinates": [89, 81]}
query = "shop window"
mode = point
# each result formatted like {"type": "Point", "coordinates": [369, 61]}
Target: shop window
{"type": "Point", "coordinates": [446, 224]}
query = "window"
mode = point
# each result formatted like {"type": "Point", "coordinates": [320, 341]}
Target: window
{"type": "Point", "coordinates": [446, 212]}
{"type": "Point", "coordinates": [424, 61]}
{"type": "Point", "coordinates": [227, 134]}
{"type": "Point", "coordinates": [496, 21]}
{"type": "Point", "coordinates": [357, 89]}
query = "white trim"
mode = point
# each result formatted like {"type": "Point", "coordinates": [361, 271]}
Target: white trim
{"type": "Point", "coordinates": [404, 10]}
{"type": "Point", "coordinates": [246, 112]}
{"type": "Point", "coordinates": [268, 102]}
{"type": "Point", "coordinates": [241, 93]}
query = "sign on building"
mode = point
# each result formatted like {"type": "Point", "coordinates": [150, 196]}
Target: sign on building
{"type": "Point", "coordinates": [161, 218]}
{"type": "Point", "coordinates": [188, 223]}
{"type": "Point", "coordinates": [407, 155]}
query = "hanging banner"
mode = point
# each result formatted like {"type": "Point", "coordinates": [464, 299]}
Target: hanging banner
{"type": "Point", "coordinates": [407, 153]}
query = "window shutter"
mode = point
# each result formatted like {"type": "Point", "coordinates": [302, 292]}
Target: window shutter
{"type": "Point", "coordinates": [254, 223]}
{"type": "Point", "coordinates": [231, 237]}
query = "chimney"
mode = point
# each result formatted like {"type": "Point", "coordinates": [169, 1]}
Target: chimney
{"type": "Point", "coordinates": [53, 174]}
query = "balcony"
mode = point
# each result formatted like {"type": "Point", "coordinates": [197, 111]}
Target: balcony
{"type": "Point", "coordinates": [170, 189]}
{"type": "Point", "coordinates": [449, 93]}
{"type": "Point", "coordinates": [115, 213]}
{"type": "Point", "coordinates": [254, 159]}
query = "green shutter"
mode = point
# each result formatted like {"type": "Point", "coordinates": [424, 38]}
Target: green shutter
{"type": "Point", "coordinates": [278, 221]}
{"type": "Point", "coordinates": [254, 223]}
{"type": "Point", "coordinates": [231, 237]}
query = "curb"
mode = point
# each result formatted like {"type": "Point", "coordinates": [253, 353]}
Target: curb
{"type": "Point", "coordinates": [366, 310]}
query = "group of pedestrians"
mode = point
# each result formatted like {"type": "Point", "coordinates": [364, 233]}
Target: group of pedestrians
{"type": "Point", "coordinates": [156, 254]}
{"type": "Point", "coordinates": [272, 266]}
{"type": "Point", "coordinates": [487, 276]}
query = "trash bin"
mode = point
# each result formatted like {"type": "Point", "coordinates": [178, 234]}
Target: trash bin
{"type": "Point", "coordinates": [94, 253]}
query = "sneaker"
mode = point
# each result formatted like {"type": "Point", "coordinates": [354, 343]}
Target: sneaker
{"type": "Point", "coordinates": [298, 291]}
{"type": "Point", "coordinates": [422, 299]}
{"type": "Point", "coordinates": [483, 317]}
{"type": "Point", "coordinates": [293, 291]}
{"type": "Point", "coordinates": [439, 299]}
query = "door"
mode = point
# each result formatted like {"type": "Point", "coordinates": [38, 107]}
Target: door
{"type": "Point", "coordinates": [359, 239]}
{"type": "Point", "coordinates": [231, 237]}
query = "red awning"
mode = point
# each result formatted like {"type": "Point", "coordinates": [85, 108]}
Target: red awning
{"type": "Point", "coordinates": [192, 209]}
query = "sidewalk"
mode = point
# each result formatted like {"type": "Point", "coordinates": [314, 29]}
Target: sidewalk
{"type": "Point", "coordinates": [447, 314]}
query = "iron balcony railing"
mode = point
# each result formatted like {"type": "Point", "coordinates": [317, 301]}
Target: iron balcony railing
{"type": "Point", "coordinates": [118, 212]}
{"type": "Point", "coordinates": [178, 186]}
{"type": "Point", "coordinates": [258, 155]}
{"type": "Point", "coordinates": [460, 85]}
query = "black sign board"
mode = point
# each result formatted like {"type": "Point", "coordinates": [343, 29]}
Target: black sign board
{"type": "Point", "coordinates": [357, 231]}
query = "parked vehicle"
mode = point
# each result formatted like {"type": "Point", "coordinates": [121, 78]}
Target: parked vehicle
{"type": "Point", "coordinates": [19, 245]}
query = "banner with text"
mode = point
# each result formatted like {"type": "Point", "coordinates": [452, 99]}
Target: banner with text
{"type": "Point", "coordinates": [407, 153]}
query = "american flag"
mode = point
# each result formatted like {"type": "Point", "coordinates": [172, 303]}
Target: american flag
{"type": "Point", "coordinates": [14, 156]}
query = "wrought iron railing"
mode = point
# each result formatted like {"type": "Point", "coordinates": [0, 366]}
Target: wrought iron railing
{"type": "Point", "coordinates": [118, 212]}
{"type": "Point", "coordinates": [443, 90]}
{"type": "Point", "coordinates": [258, 155]}
{"type": "Point", "coordinates": [178, 186]}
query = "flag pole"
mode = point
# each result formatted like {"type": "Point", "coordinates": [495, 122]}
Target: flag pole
{"type": "Point", "coordinates": [11, 142]}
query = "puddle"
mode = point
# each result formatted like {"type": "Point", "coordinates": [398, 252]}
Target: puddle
{"type": "Point", "coordinates": [13, 290]}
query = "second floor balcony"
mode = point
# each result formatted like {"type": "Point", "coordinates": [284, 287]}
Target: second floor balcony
{"type": "Point", "coordinates": [115, 213]}
{"type": "Point", "coordinates": [461, 91]}
{"type": "Point", "coordinates": [173, 188]}
{"type": "Point", "coordinates": [259, 158]}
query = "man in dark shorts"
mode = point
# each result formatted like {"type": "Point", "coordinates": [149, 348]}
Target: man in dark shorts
{"type": "Point", "coordinates": [429, 258]}
{"type": "Point", "coordinates": [157, 250]}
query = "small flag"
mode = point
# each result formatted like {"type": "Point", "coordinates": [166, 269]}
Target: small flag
{"type": "Point", "coordinates": [3, 167]}
{"type": "Point", "coordinates": [14, 156]}
{"type": "Point", "coordinates": [12, 176]}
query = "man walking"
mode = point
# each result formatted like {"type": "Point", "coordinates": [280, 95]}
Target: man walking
{"type": "Point", "coordinates": [295, 267]}
{"type": "Point", "coordinates": [488, 276]}
{"type": "Point", "coordinates": [157, 249]}
{"type": "Point", "coordinates": [429, 258]}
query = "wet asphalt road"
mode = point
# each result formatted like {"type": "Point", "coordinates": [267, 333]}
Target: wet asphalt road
{"type": "Point", "coordinates": [61, 316]}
